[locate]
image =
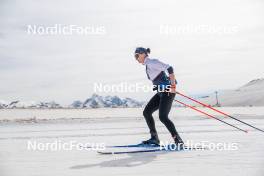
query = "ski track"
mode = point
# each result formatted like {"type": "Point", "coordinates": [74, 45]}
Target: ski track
{"type": "Point", "coordinates": [247, 160]}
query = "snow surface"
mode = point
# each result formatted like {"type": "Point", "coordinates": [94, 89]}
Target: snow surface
{"type": "Point", "coordinates": [126, 126]}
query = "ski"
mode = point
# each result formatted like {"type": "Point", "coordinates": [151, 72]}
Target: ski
{"type": "Point", "coordinates": [140, 149]}
{"type": "Point", "coordinates": [127, 152]}
{"type": "Point", "coordinates": [134, 145]}
{"type": "Point", "coordinates": [127, 146]}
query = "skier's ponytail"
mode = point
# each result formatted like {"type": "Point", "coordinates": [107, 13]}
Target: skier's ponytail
{"type": "Point", "coordinates": [148, 50]}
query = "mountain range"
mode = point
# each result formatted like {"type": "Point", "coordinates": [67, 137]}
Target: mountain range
{"type": "Point", "coordinates": [250, 94]}
{"type": "Point", "coordinates": [95, 101]}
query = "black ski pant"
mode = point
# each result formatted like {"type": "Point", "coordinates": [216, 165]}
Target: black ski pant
{"type": "Point", "coordinates": [163, 102]}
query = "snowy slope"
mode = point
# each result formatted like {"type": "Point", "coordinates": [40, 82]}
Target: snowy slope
{"type": "Point", "coordinates": [251, 94]}
{"type": "Point", "coordinates": [122, 127]}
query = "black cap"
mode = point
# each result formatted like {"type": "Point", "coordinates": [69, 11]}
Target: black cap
{"type": "Point", "coordinates": [141, 50]}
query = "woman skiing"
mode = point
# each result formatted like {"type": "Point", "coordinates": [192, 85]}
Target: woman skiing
{"type": "Point", "coordinates": [163, 99]}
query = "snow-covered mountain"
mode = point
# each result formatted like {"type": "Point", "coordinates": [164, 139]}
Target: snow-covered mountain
{"type": "Point", "coordinates": [97, 101]}
{"type": "Point", "coordinates": [29, 104]}
{"type": "Point", "coordinates": [3, 104]}
{"type": "Point", "coordinates": [251, 94]}
{"type": "Point", "coordinates": [76, 104]}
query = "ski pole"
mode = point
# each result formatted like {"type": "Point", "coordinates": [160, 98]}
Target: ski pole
{"type": "Point", "coordinates": [219, 111]}
{"type": "Point", "coordinates": [210, 116]}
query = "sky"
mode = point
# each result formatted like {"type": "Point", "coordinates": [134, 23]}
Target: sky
{"type": "Point", "coordinates": [212, 45]}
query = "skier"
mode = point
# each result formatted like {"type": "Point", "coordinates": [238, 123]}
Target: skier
{"type": "Point", "coordinates": [163, 99]}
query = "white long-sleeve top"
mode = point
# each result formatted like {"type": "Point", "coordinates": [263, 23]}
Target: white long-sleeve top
{"type": "Point", "coordinates": [154, 67]}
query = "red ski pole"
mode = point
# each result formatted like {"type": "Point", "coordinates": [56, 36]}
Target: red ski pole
{"type": "Point", "coordinates": [219, 111]}
{"type": "Point", "coordinates": [211, 116]}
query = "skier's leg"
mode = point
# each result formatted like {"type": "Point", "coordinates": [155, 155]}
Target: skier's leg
{"type": "Point", "coordinates": [166, 100]}
{"type": "Point", "coordinates": [151, 107]}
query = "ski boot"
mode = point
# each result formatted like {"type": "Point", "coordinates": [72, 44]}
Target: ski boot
{"type": "Point", "coordinates": [178, 142]}
{"type": "Point", "coordinates": [153, 141]}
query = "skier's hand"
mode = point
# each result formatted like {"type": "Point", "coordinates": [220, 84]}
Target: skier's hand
{"type": "Point", "coordinates": [173, 89]}
{"type": "Point", "coordinates": [173, 83]}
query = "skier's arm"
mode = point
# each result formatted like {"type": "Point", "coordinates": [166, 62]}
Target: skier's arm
{"type": "Point", "coordinates": [172, 79]}
{"type": "Point", "coordinates": [166, 67]}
